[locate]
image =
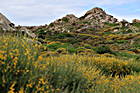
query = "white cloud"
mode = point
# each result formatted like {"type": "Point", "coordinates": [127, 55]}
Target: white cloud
{"type": "Point", "coordinates": [113, 2]}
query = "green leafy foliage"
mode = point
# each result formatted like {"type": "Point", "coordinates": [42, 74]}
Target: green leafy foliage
{"type": "Point", "coordinates": [103, 49]}
{"type": "Point", "coordinates": [65, 19]}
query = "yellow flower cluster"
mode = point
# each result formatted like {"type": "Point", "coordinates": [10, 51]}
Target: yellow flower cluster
{"type": "Point", "coordinates": [25, 69]}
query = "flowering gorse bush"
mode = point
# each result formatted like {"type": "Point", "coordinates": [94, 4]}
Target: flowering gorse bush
{"type": "Point", "coordinates": [25, 69]}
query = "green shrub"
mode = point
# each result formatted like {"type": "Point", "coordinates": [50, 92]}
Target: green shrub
{"type": "Point", "coordinates": [127, 55]}
{"type": "Point", "coordinates": [111, 24]}
{"type": "Point", "coordinates": [54, 46]}
{"type": "Point", "coordinates": [107, 33]}
{"type": "Point", "coordinates": [87, 46]}
{"type": "Point", "coordinates": [65, 19]}
{"type": "Point", "coordinates": [51, 24]}
{"type": "Point", "coordinates": [71, 50]}
{"type": "Point", "coordinates": [136, 24]}
{"type": "Point", "coordinates": [91, 29]}
{"type": "Point", "coordinates": [121, 41]}
{"type": "Point", "coordinates": [16, 63]}
{"type": "Point", "coordinates": [127, 31]}
{"type": "Point", "coordinates": [61, 50]}
{"type": "Point", "coordinates": [66, 77]}
{"type": "Point", "coordinates": [136, 45]}
{"type": "Point", "coordinates": [41, 33]}
{"type": "Point", "coordinates": [103, 49]}
{"type": "Point", "coordinates": [80, 49]}
{"type": "Point", "coordinates": [84, 51]}
{"type": "Point", "coordinates": [63, 35]}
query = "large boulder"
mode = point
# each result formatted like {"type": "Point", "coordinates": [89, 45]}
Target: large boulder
{"type": "Point", "coordinates": [70, 18]}
{"type": "Point", "coordinates": [5, 24]}
{"type": "Point", "coordinates": [136, 21]}
{"type": "Point", "coordinates": [25, 31]}
{"type": "Point", "coordinates": [124, 23]}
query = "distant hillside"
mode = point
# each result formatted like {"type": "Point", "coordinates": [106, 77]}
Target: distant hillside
{"type": "Point", "coordinates": [96, 29]}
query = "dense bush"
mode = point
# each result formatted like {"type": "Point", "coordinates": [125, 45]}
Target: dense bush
{"type": "Point", "coordinates": [91, 71]}
{"type": "Point", "coordinates": [111, 24]}
{"type": "Point", "coordinates": [65, 19]}
{"type": "Point", "coordinates": [103, 49]}
{"type": "Point", "coordinates": [65, 76]}
{"type": "Point", "coordinates": [61, 51]}
{"type": "Point", "coordinates": [136, 24]}
{"type": "Point", "coordinates": [87, 46]}
{"type": "Point", "coordinates": [71, 50]}
{"type": "Point", "coordinates": [127, 55]}
{"type": "Point", "coordinates": [17, 57]}
{"type": "Point", "coordinates": [121, 41]}
{"type": "Point", "coordinates": [54, 46]}
{"type": "Point", "coordinates": [62, 35]}
{"type": "Point", "coordinates": [51, 25]}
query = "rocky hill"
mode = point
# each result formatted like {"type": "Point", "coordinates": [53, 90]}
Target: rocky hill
{"type": "Point", "coordinates": [94, 18]}
{"type": "Point", "coordinates": [93, 30]}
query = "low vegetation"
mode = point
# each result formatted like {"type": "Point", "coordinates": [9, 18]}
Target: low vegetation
{"type": "Point", "coordinates": [26, 68]}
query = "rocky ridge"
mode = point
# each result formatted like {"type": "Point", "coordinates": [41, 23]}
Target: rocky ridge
{"type": "Point", "coordinates": [93, 21]}
{"type": "Point", "coordinates": [94, 18]}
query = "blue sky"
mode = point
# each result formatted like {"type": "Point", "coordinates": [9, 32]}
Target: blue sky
{"type": "Point", "coordinates": [40, 12]}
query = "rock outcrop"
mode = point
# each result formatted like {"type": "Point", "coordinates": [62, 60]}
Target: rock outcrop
{"type": "Point", "coordinates": [67, 19]}
{"type": "Point", "coordinates": [93, 20]}
{"type": "Point", "coordinates": [136, 21]}
{"type": "Point", "coordinates": [124, 23]}
{"type": "Point", "coordinates": [100, 15]}
{"type": "Point", "coordinates": [5, 24]}
{"type": "Point", "coordinates": [25, 31]}
{"type": "Point", "coordinates": [63, 24]}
